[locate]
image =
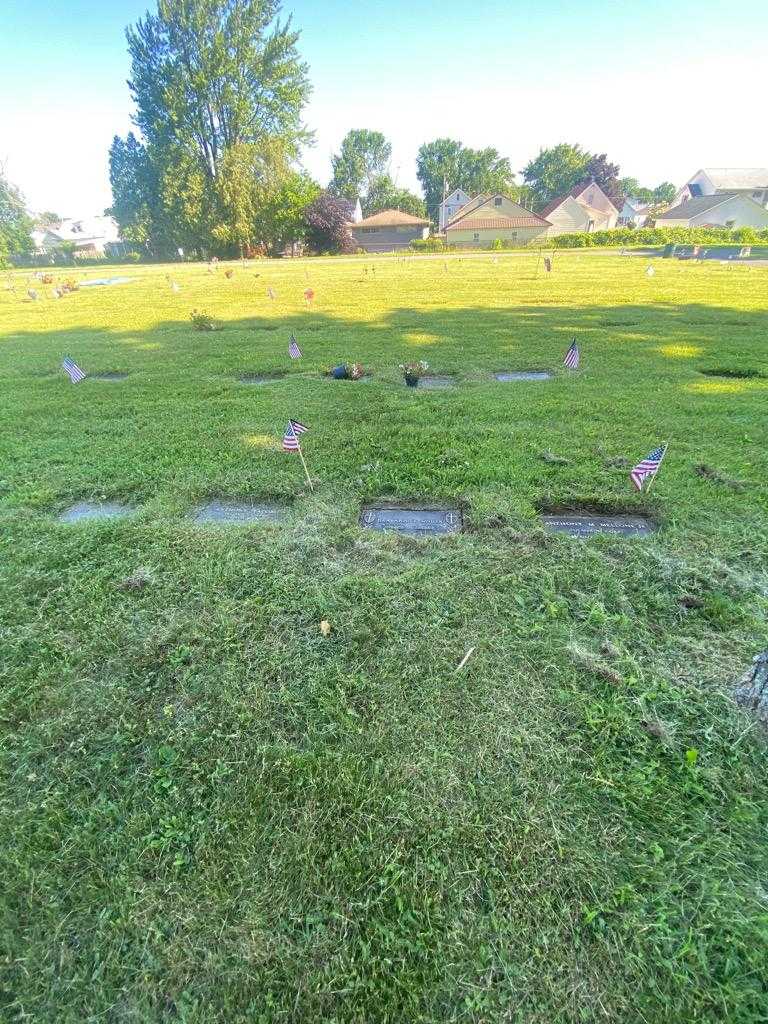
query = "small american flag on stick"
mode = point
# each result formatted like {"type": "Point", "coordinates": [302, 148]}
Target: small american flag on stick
{"type": "Point", "coordinates": [648, 468]}
{"type": "Point", "coordinates": [572, 356]}
{"type": "Point", "coordinates": [309, 296]}
{"type": "Point", "coordinates": [293, 348]}
{"type": "Point", "coordinates": [70, 367]}
{"type": "Point", "coordinates": [291, 436]}
{"type": "Point", "coordinates": [271, 294]}
{"type": "Point", "coordinates": [291, 444]}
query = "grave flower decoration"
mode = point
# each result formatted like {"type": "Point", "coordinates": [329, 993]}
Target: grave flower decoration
{"type": "Point", "coordinates": [345, 371]}
{"type": "Point", "coordinates": [412, 371]}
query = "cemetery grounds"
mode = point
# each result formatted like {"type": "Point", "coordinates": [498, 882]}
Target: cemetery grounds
{"type": "Point", "coordinates": [214, 809]}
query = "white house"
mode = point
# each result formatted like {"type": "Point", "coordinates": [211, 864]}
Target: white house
{"type": "Point", "coordinates": [721, 210]}
{"type": "Point", "coordinates": [450, 206]}
{"type": "Point", "coordinates": [90, 235]}
{"type": "Point", "coordinates": [709, 181]}
{"type": "Point", "coordinates": [585, 208]}
{"type": "Point", "coordinates": [634, 213]}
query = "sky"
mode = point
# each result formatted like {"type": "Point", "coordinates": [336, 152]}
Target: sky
{"type": "Point", "coordinates": [663, 88]}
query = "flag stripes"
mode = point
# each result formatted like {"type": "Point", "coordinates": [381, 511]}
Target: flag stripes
{"type": "Point", "coordinates": [69, 366]}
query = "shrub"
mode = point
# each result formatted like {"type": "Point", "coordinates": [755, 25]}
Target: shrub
{"type": "Point", "coordinates": [659, 236]}
{"type": "Point", "coordinates": [203, 321]}
{"type": "Point", "coordinates": [433, 244]}
{"type": "Point", "coordinates": [497, 245]}
{"type": "Point", "coordinates": [326, 219]}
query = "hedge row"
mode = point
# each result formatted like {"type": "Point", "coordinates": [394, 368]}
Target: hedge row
{"type": "Point", "coordinates": [658, 236]}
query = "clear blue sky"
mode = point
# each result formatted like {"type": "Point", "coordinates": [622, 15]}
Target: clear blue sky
{"type": "Point", "coordinates": [663, 87]}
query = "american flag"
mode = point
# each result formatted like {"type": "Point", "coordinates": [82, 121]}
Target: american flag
{"type": "Point", "coordinates": [293, 348]}
{"type": "Point", "coordinates": [572, 356]}
{"type": "Point", "coordinates": [649, 467]}
{"type": "Point", "coordinates": [309, 295]}
{"type": "Point", "coordinates": [548, 264]}
{"type": "Point", "coordinates": [271, 294]}
{"type": "Point", "coordinates": [75, 373]}
{"type": "Point", "coordinates": [291, 435]}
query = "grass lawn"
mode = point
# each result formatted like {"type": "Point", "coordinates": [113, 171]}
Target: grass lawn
{"type": "Point", "coordinates": [212, 812]}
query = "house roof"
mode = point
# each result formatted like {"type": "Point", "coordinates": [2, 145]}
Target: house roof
{"type": "Point", "coordinates": [574, 193]}
{"type": "Point", "coordinates": [730, 178]}
{"type": "Point", "coordinates": [525, 219]}
{"type": "Point", "coordinates": [473, 204]}
{"type": "Point", "coordinates": [696, 206]}
{"type": "Point", "coordinates": [495, 223]}
{"type": "Point", "coordinates": [389, 218]}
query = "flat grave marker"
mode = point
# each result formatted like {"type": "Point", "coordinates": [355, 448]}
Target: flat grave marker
{"type": "Point", "coordinates": [583, 525]}
{"type": "Point", "coordinates": [260, 378]}
{"type": "Point", "coordinates": [419, 521]}
{"type": "Point", "coordinates": [511, 375]}
{"type": "Point", "coordinates": [109, 377]}
{"type": "Point", "coordinates": [84, 511]}
{"type": "Point", "coordinates": [98, 281]}
{"type": "Point", "coordinates": [237, 513]}
{"type": "Point", "coordinates": [436, 383]}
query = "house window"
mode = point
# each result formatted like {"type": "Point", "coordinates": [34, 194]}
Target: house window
{"type": "Point", "coordinates": [369, 231]}
{"type": "Point", "coordinates": [514, 236]}
{"type": "Point", "coordinates": [476, 236]}
{"type": "Point", "coordinates": [497, 201]}
{"type": "Point", "coordinates": [591, 198]}
{"type": "Point", "coordinates": [757, 195]}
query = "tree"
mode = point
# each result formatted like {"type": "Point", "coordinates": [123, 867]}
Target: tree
{"type": "Point", "coordinates": [555, 171]}
{"type": "Point", "coordinates": [135, 192]}
{"type": "Point", "coordinates": [326, 219]}
{"type": "Point", "coordinates": [385, 195]}
{"type": "Point", "coordinates": [604, 173]}
{"type": "Point", "coordinates": [447, 164]}
{"type": "Point", "coordinates": [282, 219]}
{"type": "Point", "coordinates": [15, 222]}
{"type": "Point", "coordinates": [47, 219]}
{"type": "Point", "coordinates": [363, 159]}
{"type": "Point", "coordinates": [630, 188]}
{"type": "Point", "coordinates": [665, 192]}
{"type": "Point", "coordinates": [219, 89]}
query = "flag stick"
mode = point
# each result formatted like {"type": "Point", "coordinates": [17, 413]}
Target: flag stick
{"type": "Point", "coordinates": [301, 456]}
{"type": "Point", "coordinates": [650, 482]}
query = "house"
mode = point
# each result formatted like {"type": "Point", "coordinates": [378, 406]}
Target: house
{"type": "Point", "coordinates": [450, 206]}
{"type": "Point", "coordinates": [634, 213]}
{"type": "Point", "coordinates": [721, 210]}
{"type": "Point", "coordinates": [710, 181]}
{"type": "Point", "coordinates": [388, 230]}
{"type": "Point", "coordinates": [485, 218]}
{"type": "Point", "coordinates": [90, 236]}
{"type": "Point", "coordinates": [585, 208]}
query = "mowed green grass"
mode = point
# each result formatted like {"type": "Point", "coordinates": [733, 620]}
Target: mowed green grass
{"type": "Point", "coordinates": [211, 812]}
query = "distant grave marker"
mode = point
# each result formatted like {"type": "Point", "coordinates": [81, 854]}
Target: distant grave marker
{"type": "Point", "coordinates": [113, 377]}
{"type": "Point", "coordinates": [260, 378]}
{"type": "Point", "coordinates": [99, 281]}
{"type": "Point", "coordinates": [582, 526]}
{"type": "Point", "coordinates": [419, 521]}
{"type": "Point", "coordinates": [84, 511]}
{"type": "Point", "coordinates": [237, 513]}
{"type": "Point", "coordinates": [436, 383]}
{"type": "Point", "coordinates": [512, 375]}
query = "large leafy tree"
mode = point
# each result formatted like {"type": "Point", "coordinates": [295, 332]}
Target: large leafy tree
{"type": "Point", "coordinates": [362, 160]}
{"type": "Point", "coordinates": [15, 223]}
{"type": "Point", "coordinates": [447, 164]}
{"type": "Point", "coordinates": [385, 195]}
{"type": "Point", "coordinates": [555, 171]}
{"type": "Point", "coordinates": [219, 89]}
{"type": "Point", "coordinates": [282, 218]}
